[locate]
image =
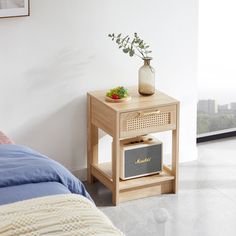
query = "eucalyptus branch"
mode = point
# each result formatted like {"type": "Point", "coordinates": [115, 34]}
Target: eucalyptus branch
{"type": "Point", "coordinates": [133, 46]}
{"type": "Point", "coordinates": [138, 55]}
{"type": "Point", "coordinates": [140, 52]}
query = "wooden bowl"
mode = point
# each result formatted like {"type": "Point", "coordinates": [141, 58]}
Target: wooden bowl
{"type": "Point", "coordinates": [108, 99]}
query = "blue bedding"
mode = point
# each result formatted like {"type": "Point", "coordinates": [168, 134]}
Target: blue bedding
{"type": "Point", "coordinates": [27, 191]}
{"type": "Point", "coordinates": [22, 167]}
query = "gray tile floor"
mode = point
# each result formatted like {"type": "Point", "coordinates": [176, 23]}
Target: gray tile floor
{"type": "Point", "coordinates": [204, 206]}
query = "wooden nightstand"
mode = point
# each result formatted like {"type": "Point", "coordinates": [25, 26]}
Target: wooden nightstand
{"type": "Point", "coordinates": [141, 115]}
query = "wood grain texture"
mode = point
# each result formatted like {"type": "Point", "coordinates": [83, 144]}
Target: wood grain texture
{"type": "Point", "coordinates": [175, 150]}
{"type": "Point", "coordinates": [102, 116]}
{"type": "Point", "coordinates": [137, 102]}
{"type": "Point", "coordinates": [113, 118]}
{"type": "Point", "coordinates": [92, 142]}
{"type": "Point", "coordinates": [116, 161]}
{"type": "Point", "coordinates": [102, 176]}
{"type": "Point", "coordinates": [137, 182]}
{"type": "Point", "coordinates": [146, 191]}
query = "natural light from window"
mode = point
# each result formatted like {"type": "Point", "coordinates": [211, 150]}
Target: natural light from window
{"type": "Point", "coordinates": [217, 65]}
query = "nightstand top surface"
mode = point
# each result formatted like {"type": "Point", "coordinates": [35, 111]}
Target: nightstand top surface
{"type": "Point", "coordinates": [137, 101]}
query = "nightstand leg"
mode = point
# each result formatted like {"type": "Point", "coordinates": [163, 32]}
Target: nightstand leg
{"type": "Point", "coordinates": [92, 151]}
{"type": "Point", "coordinates": [116, 162]}
{"type": "Point", "coordinates": [175, 151]}
{"type": "Point", "coordinates": [115, 170]}
{"type": "Point", "coordinates": [92, 145]}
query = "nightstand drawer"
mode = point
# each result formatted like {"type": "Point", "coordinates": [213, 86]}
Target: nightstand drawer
{"type": "Point", "coordinates": [147, 121]}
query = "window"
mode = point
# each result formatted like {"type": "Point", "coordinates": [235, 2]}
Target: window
{"type": "Point", "coordinates": [217, 67]}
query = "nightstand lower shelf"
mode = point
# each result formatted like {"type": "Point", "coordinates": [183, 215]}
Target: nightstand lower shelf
{"type": "Point", "coordinates": [138, 187]}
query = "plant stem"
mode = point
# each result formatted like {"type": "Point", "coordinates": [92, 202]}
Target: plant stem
{"type": "Point", "coordinates": [139, 51]}
{"type": "Point", "coordinates": [138, 56]}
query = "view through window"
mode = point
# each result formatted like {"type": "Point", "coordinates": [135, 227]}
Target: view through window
{"type": "Point", "coordinates": [217, 66]}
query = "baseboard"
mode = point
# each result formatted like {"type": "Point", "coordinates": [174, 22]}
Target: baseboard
{"type": "Point", "coordinates": [221, 134]}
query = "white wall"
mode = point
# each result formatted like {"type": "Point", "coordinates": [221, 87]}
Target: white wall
{"type": "Point", "coordinates": [48, 62]}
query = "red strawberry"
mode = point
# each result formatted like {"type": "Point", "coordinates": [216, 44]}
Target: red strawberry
{"type": "Point", "coordinates": [115, 96]}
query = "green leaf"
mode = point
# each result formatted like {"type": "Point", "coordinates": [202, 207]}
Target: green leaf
{"type": "Point", "coordinates": [124, 38]}
{"type": "Point", "coordinates": [131, 52]}
{"type": "Point", "coordinates": [127, 44]}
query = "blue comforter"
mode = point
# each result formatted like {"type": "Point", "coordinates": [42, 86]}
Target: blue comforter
{"type": "Point", "coordinates": [20, 165]}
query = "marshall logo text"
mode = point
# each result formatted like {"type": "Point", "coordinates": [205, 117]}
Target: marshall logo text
{"type": "Point", "coordinates": [142, 161]}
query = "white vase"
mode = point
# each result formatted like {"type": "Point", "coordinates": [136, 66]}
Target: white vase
{"type": "Point", "coordinates": [146, 78]}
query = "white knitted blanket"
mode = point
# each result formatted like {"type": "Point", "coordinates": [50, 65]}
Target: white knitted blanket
{"type": "Point", "coordinates": [58, 215]}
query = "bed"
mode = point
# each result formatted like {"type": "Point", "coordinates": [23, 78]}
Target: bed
{"type": "Point", "coordinates": [38, 196]}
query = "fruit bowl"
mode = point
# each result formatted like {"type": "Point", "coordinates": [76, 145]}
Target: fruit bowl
{"type": "Point", "coordinates": [108, 99]}
{"type": "Point", "coordinates": [118, 94]}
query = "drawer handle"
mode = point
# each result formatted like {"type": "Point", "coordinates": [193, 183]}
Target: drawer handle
{"type": "Point", "coordinates": [142, 114]}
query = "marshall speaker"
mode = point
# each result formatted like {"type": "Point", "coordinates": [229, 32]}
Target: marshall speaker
{"type": "Point", "coordinates": [140, 156]}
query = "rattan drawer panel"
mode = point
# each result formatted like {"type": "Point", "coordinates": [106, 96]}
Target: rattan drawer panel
{"type": "Point", "coordinates": [147, 121]}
